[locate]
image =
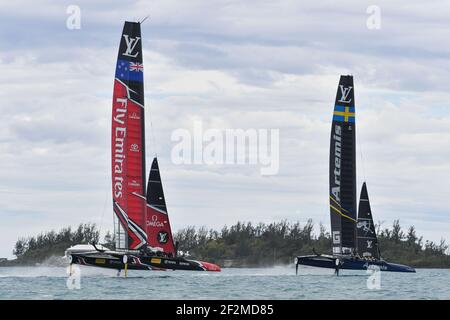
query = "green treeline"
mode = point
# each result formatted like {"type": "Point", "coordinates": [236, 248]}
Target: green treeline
{"type": "Point", "coordinates": [246, 244]}
{"type": "Point", "coordinates": [45, 245]}
{"type": "Point", "coordinates": [408, 248]}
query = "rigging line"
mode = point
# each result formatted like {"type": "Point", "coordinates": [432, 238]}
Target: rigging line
{"type": "Point", "coordinates": [152, 134]}
{"type": "Point", "coordinates": [103, 210]}
{"type": "Point", "coordinates": [361, 156]}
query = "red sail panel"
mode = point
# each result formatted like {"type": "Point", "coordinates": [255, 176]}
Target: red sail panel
{"type": "Point", "coordinates": [159, 233]}
{"type": "Point", "coordinates": [127, 138]}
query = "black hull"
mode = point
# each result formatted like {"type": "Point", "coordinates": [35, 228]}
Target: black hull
{"type": "Point", "coordinates": [348, 263]}
{"type": "Point", "coordinates": [114, 260]}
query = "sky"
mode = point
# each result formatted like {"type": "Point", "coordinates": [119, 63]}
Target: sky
{"type": "Point", "coordinates": [232, 65]}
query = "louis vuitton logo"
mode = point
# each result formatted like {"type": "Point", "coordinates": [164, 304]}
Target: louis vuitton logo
{"type": "Point", "coordinates": [131, 45]}
{"type": "Point", "coordinates": [345, 92]}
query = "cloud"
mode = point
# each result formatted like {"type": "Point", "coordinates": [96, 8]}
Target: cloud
{"type": "Point", "coordinates": [232, 65]}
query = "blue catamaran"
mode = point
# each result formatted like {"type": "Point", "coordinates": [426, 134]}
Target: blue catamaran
{"type": "Point", "coordinates": [354, 240]}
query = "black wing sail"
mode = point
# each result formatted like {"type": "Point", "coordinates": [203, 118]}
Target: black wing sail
{"type": "Point", "coordinates": [343, 170]}
{"type": "Point", "coordinates": [155, 193]}
{"type": "Point", "coordinates": [159, 232]}
{"type": "Point", "coordinates": [365, 233]}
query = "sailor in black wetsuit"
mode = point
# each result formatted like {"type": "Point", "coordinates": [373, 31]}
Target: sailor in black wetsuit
{"type": "Point", "coordinates": [337, 266]}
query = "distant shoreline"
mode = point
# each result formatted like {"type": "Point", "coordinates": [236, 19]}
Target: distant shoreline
{"type": "Point", "coordinates": [242, 245]}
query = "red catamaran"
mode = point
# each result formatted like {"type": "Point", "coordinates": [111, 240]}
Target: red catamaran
{"type": "Point", "coordinates": [142, 229]}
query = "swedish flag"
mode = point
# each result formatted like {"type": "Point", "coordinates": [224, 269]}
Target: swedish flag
{"type": "Point", "coordinates": [344, 114]}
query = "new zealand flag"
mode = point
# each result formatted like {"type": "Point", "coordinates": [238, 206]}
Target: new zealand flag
{"type": "Point", "coordinates": [127, 70]}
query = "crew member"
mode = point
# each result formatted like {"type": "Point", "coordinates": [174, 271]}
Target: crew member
{"type": "Point", "coordinates": [337, 266]}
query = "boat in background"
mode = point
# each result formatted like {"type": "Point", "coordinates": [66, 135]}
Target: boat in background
{"type": "Point", "coordinates": [143, 237]}
{"type": "Point", "coordinates": [354, 240]}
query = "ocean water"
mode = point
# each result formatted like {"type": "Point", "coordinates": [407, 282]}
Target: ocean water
{"type": "Point", "coordinates": [232, 283]}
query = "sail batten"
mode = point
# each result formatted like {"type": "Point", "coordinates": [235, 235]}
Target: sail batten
{"type": "Point", "coordinates": [128, 141]}
{"type": "Point", "coordinates": [342, 175]}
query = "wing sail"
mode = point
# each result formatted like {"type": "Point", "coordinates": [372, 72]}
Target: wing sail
{"type": "Point", "coordinates": [342, 173]}
{"type": "Point", "coordinates": [128, 141]}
